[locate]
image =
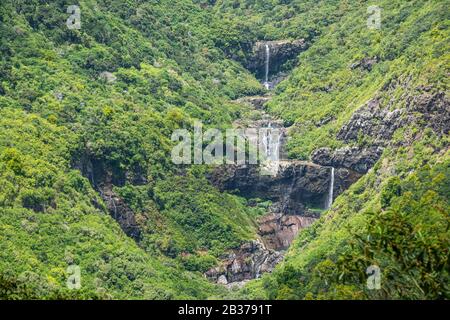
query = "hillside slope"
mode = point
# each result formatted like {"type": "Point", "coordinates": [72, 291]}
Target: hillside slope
{"type": "Point", "coordinates": [376, 101]}
{"type": "Point", "coordinates": [86, 173]}
{"type": "Point", "coordinates": [86, 117]}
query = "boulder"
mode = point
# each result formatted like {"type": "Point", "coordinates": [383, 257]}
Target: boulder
{"type": "Point", "coordinates": [365, 63]}
{"type": "Point", "coordinates": [108, 77]}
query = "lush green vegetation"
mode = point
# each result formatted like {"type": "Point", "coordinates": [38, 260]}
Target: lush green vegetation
{"type": "Point", "coordinates": [58, 113]}
{"type": "Point", "coordinates": [399, 223]}
{"type": "Point", "coordinates": [396, 216]}
{"type": "Point", "coordinates": [67, 133]}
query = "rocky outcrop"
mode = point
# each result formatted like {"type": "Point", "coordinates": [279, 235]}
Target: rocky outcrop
{"type": "Point", "coordinates": [122, 213]}
{"type": "Point", "coordinates": [296, 187]}
{"type": "Point", "coordinates": [108, 77]}
{"type": "Point", "coordinates": [379, 123]}
{"type": "Point", "coordinates": [103, 178]}
{"type": "Point", "coordinates": [433, 109]}
{"type": "Point", "coordinates": [247, 262]}
{"type": "Point", "coordinates": [374, 121]}
{"type": "Point", "coordinates": [356, 159]}
{"type": "Point", "coordinates": [257, 102]}
{"type": "Point", "coordinates": [365, 63]}
{"type": "Point", "coordinates": [278, 230]}
{"type": "Point", "coordinates": [280, 52]}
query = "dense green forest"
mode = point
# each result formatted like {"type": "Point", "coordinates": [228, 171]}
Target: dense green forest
{"type": "Point", "coordinates": [88, 114]}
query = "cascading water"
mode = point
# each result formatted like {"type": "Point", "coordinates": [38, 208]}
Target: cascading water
{"type": "Point", "coordinates": [271, 140]}
{"type": "Point", "coordinates": [330, 192]}
{"type": "Point", "coordinates": [276, 145]}
{"type": "Point", "coordinates": [266, 78]}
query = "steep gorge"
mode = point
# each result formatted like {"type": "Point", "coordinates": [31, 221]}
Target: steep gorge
{"type": "Point", "coordinates": [298, 190]}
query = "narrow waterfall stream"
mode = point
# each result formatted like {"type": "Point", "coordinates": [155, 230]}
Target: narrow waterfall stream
{"type": "Point", "coordinates": [271, 142]}
{"type": "Point", "coordinates": [330, 192]}
{"type": "Point", "coordinates": [266, 78]}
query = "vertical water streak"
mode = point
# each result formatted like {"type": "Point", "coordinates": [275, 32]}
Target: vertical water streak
{"type": "Point", "coordinates": [266, 78]}
{"type": "Point", "coordinates": [330, 192]}
{"type": "Point", "coordinates": [269, 140]}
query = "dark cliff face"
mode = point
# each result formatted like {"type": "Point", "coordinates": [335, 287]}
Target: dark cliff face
{"type": "Point", "coordinates": [280, 52]}
{"type": "Point", "coordinates": [356, 160]}
{"type": "Point", "coordinates": [103, 178]}
{"type": "Point", "coordinates": [297, 186]}
{"type": "Point", "coordinates": [297, 190]}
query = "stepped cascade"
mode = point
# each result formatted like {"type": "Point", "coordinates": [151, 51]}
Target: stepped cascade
{"type": "Point", "coordinates": [297, 189]}
{"type": "Point", "coordinates": [174, 150]}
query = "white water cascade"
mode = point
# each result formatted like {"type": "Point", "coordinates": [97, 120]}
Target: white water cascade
{"type": "Point", "coordinates": [271, 144]}
{"type": "Point", "coordinates": [266, 78]}
{"type": "Point", "coordinates": [330, 192]}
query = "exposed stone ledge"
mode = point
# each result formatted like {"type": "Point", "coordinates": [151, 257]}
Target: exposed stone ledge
{"type": "Point", "coordinates": [356, 159]}
{"type": "Point", "coordinates": [297, 186]}
{"type": "Point", "coordinates": [277, 231]}
{"type": "Point", "coordinates": [247, 262]}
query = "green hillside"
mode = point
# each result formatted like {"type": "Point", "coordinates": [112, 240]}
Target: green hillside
{"type": "Point", "coordinates": [86, 117]}
{"type": "Point", "coordinates": [57, 114]}
{"type": "Point", "coordinates": [397, 216]}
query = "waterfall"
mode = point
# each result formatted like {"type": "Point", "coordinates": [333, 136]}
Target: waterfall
{"type": "Point", "coordinates": [271, 142]}
{"type": "Point", "coordinates": [276, 145]}
{"type": "Point", "coordinates": [330, 192]}
{"type": "Point", "coordinates": [266, 78]}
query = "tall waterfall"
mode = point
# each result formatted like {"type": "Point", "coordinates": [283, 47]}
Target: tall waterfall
{"type": "Point", "coordinates": [330, 191]}
{"type": "Point", "coordinates": [266, 78]}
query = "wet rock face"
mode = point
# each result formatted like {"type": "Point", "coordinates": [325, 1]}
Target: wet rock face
{"type": "Point", "coordinates": [122, 213]}
{"type": "Point", "coordinates": [103, 178]}
{"type": "Point", "coordinates": [280, 52]}
{"type": "Point", "coordinates": [295, 184]}
{"type": "Point", "coordinates": [247, 262]}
